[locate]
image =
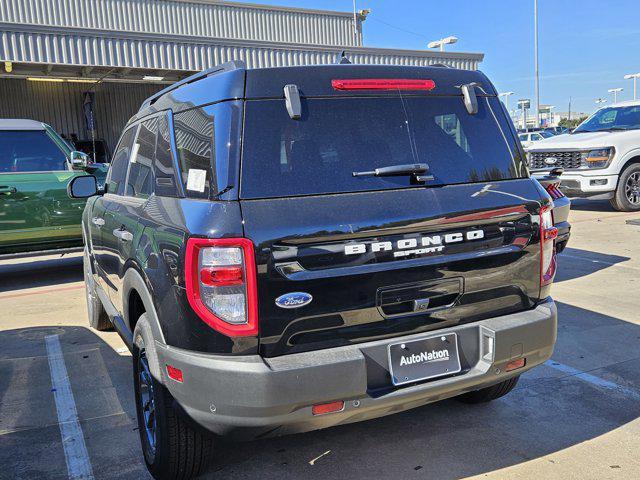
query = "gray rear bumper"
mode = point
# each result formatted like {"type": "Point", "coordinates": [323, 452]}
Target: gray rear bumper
{"type": "Point", "coordinates": [251, 396]}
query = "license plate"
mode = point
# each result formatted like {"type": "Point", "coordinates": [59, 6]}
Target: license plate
{"type": "Point", "coordinates": [430, 357]}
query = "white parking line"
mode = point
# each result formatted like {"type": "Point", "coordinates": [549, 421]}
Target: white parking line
{"type": "Point", "coordinates": [597, 381]}
{"type": "Point", "coordinates": [75, 450]}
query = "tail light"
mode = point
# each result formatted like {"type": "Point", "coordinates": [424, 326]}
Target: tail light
{"type": "Point", "coordinates": [383, 84]}
{"type": "Point", "coordinates": [553, 189]}
{"type": "Point", "coordinates": [548, 234]}
{"type": "Point", "coordinates": [220, 278]}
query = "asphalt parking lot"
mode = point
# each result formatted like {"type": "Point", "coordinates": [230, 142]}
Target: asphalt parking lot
{"type": "Point", "coordinates": [575, 417]}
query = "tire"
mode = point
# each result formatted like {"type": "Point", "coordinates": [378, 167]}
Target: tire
{"type": "Point", "coordinates": [173, 447]}
{"type": "Point", "coordinates": [626, 198]}
{"type": "Point", "coordinates": [490, 393]}
{"type": "Point", "coordinates": [98, 317]}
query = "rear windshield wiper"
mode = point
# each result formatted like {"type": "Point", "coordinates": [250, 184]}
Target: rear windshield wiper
{"type": "Point", "coordinates": [395, 170]}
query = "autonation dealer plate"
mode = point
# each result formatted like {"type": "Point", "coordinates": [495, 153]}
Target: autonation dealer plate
{"type": "Point", "coordinates": [430, 357]}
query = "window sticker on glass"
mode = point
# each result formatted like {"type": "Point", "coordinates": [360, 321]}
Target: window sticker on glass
{"type": "Point", "coordinates": [196, 179]}
{"type": "Point", "coordinates": [134, 152]}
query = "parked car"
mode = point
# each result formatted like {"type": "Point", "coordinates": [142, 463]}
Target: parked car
{"type": "Point", "coordinates": [556, 130]}
{"type": "Point", "coordinates": [600, 157]}
{"type": "Point", "coordinates": [36, 165]}
{"type": "Point", "coordinates": [527, 139]}
{"type": "Point", "coordinates": [97, 150]}
{"type": "Point", "coordinates": [550, 181]}
{"type": "Point", "coordinates": [287, 249]}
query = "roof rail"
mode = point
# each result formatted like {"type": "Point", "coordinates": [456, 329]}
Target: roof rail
{"type": "Point", "coordinates": [225, 67]}
{"type": "Point", "coordinates": [441, 65]}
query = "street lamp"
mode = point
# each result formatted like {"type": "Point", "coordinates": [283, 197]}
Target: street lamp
{"type": "Point", "coordinates": [442, 42]}
{"type": "Point", "coordinates": [535, 57]}
{"type": "Point", "coordinates": [635, 77]}
{"type": "Point", "coordinates": [615, 92]}
{"type": "Point", "coordinates": [601, 100]}
{"type": "Point", "coordinates": [506, 96]}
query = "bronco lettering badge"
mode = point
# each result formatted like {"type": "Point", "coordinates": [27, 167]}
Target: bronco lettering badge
{"type": "Point", "coordinates": [414, 246]}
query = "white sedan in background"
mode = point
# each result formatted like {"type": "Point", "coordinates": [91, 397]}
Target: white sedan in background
{"type": "Point", "coordinates": [529, 138]}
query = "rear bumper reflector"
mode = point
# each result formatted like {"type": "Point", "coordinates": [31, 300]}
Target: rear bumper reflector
{"type": "Point", "coordinates": [324, 408]}
{"type": "Point", "coordinates": [515, 364]}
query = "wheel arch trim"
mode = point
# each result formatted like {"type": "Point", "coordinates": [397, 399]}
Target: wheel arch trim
{"type": "Point", "coordinates": [133, 281]}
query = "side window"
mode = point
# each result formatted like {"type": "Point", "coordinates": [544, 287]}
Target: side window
{"type": "Point", "coordinates": [30, 151]}
{"type": "Point", "coordinates": [194, 142]}
{"type": "Point", "coordinates": [164, 169]}
{"type": "Point", "coordinates": [118, 170]}
{"type": "Point", "coordinates": [140, 180]}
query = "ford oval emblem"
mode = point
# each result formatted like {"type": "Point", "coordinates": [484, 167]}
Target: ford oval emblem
{"type": "Point", "coordinates": [294, 300]}
{"type": "Point", "coordinates": [551, 160]}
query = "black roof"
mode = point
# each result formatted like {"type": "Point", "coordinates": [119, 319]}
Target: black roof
{"type": "Point", "coordinates": [233, 81]}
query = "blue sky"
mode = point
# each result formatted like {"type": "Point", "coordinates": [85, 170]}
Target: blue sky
{"type": "Point", "coordinates": [586, 46]}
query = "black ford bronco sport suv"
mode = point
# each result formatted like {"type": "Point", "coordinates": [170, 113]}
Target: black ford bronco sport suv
{"type": "Point", "coordinates": [287, 249]}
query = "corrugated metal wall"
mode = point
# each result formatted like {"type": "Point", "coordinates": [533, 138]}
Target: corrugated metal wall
{"type": "Point", "coordinates": [164, 53]}
{"type": "Point", "coordinates": [188, 18]}
{"type": "Point", "coordinates": [60, 105]}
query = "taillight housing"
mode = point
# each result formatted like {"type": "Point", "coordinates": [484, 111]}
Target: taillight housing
{"type": "Point", "coordinates": [553, 189]}
{"type": "Point", "coordinates": [220, 279]}
{"type": "Point", "coordinates": [548, 234]}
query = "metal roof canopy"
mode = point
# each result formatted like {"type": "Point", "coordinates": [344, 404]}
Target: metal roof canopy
{"type": "Point", "coordinates": [133, 37]}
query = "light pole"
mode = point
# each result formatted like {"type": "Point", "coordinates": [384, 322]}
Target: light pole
{"type": "Point", "coordinates": [615, 92]}
{"type": "Point", "coordinates": [506, 96]}
{"type": "Point", "coordinates": [635, 77]}
{"type": "Point", "coordinates": [535, 47]}
{"type": "Point", "coordinates": [601, 100]}
{"type": "Point", "coordinates": [442, 42]}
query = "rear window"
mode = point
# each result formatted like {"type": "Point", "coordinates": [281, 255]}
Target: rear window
{"type": "Point", "coordinates": [338, 136]}
{"type": "Point", "coordinates": [30, 151]}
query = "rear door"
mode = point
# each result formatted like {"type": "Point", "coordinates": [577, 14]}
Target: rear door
{"type": "Point", "coordinates": [104, 244]}
{"type": "Point", "coordinates": [35, 211]}
{"type": "Point", "coordinates": [385, 256]}
{"type": "Point", "coordinates": [124, 212]}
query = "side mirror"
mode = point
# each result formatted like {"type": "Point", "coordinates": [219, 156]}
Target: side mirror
{"type": "Point", "coordinates": [84, 186]}
{"type": "Point", "coordinates": [79, 160]}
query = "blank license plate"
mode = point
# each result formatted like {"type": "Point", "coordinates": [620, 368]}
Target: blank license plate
{"type": "Point", "coordinates": [430, 357]}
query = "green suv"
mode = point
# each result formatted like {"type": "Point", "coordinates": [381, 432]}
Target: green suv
{"type": "Point", "coordinates": [36, 165]}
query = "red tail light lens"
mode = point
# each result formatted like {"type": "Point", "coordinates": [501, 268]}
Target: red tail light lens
{"type": "Point", "coordinates": [383, 84]}
{"type": "Point", "coordinates": [553, 189]}
{"type": "Point", "coordinates": [548, 234]}
{"type": "Point", "coordinates": [220, 279]}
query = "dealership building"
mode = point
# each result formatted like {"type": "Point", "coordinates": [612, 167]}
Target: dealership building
{"type": "Point", "coordinates": [73, 62]}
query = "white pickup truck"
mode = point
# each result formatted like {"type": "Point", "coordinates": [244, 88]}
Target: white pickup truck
{"type": "Point", "coordinates": [600, 157]}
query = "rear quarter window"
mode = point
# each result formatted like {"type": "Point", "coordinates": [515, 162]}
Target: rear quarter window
{"type": "Point", "coordinates": [338, 136]}
{"type": "Point", "coordinates": [194, 144]}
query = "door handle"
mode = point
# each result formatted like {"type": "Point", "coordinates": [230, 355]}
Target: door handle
{"type": "Point", "coordinates": [7, 190]}
{"type": "Point", "coordinates": [98, 221]}
{"type": "Point", "coordinates": [123, 235]}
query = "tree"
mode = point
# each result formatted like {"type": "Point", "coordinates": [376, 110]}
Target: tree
{"type": "Point", "coordinates": [573, 123]}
